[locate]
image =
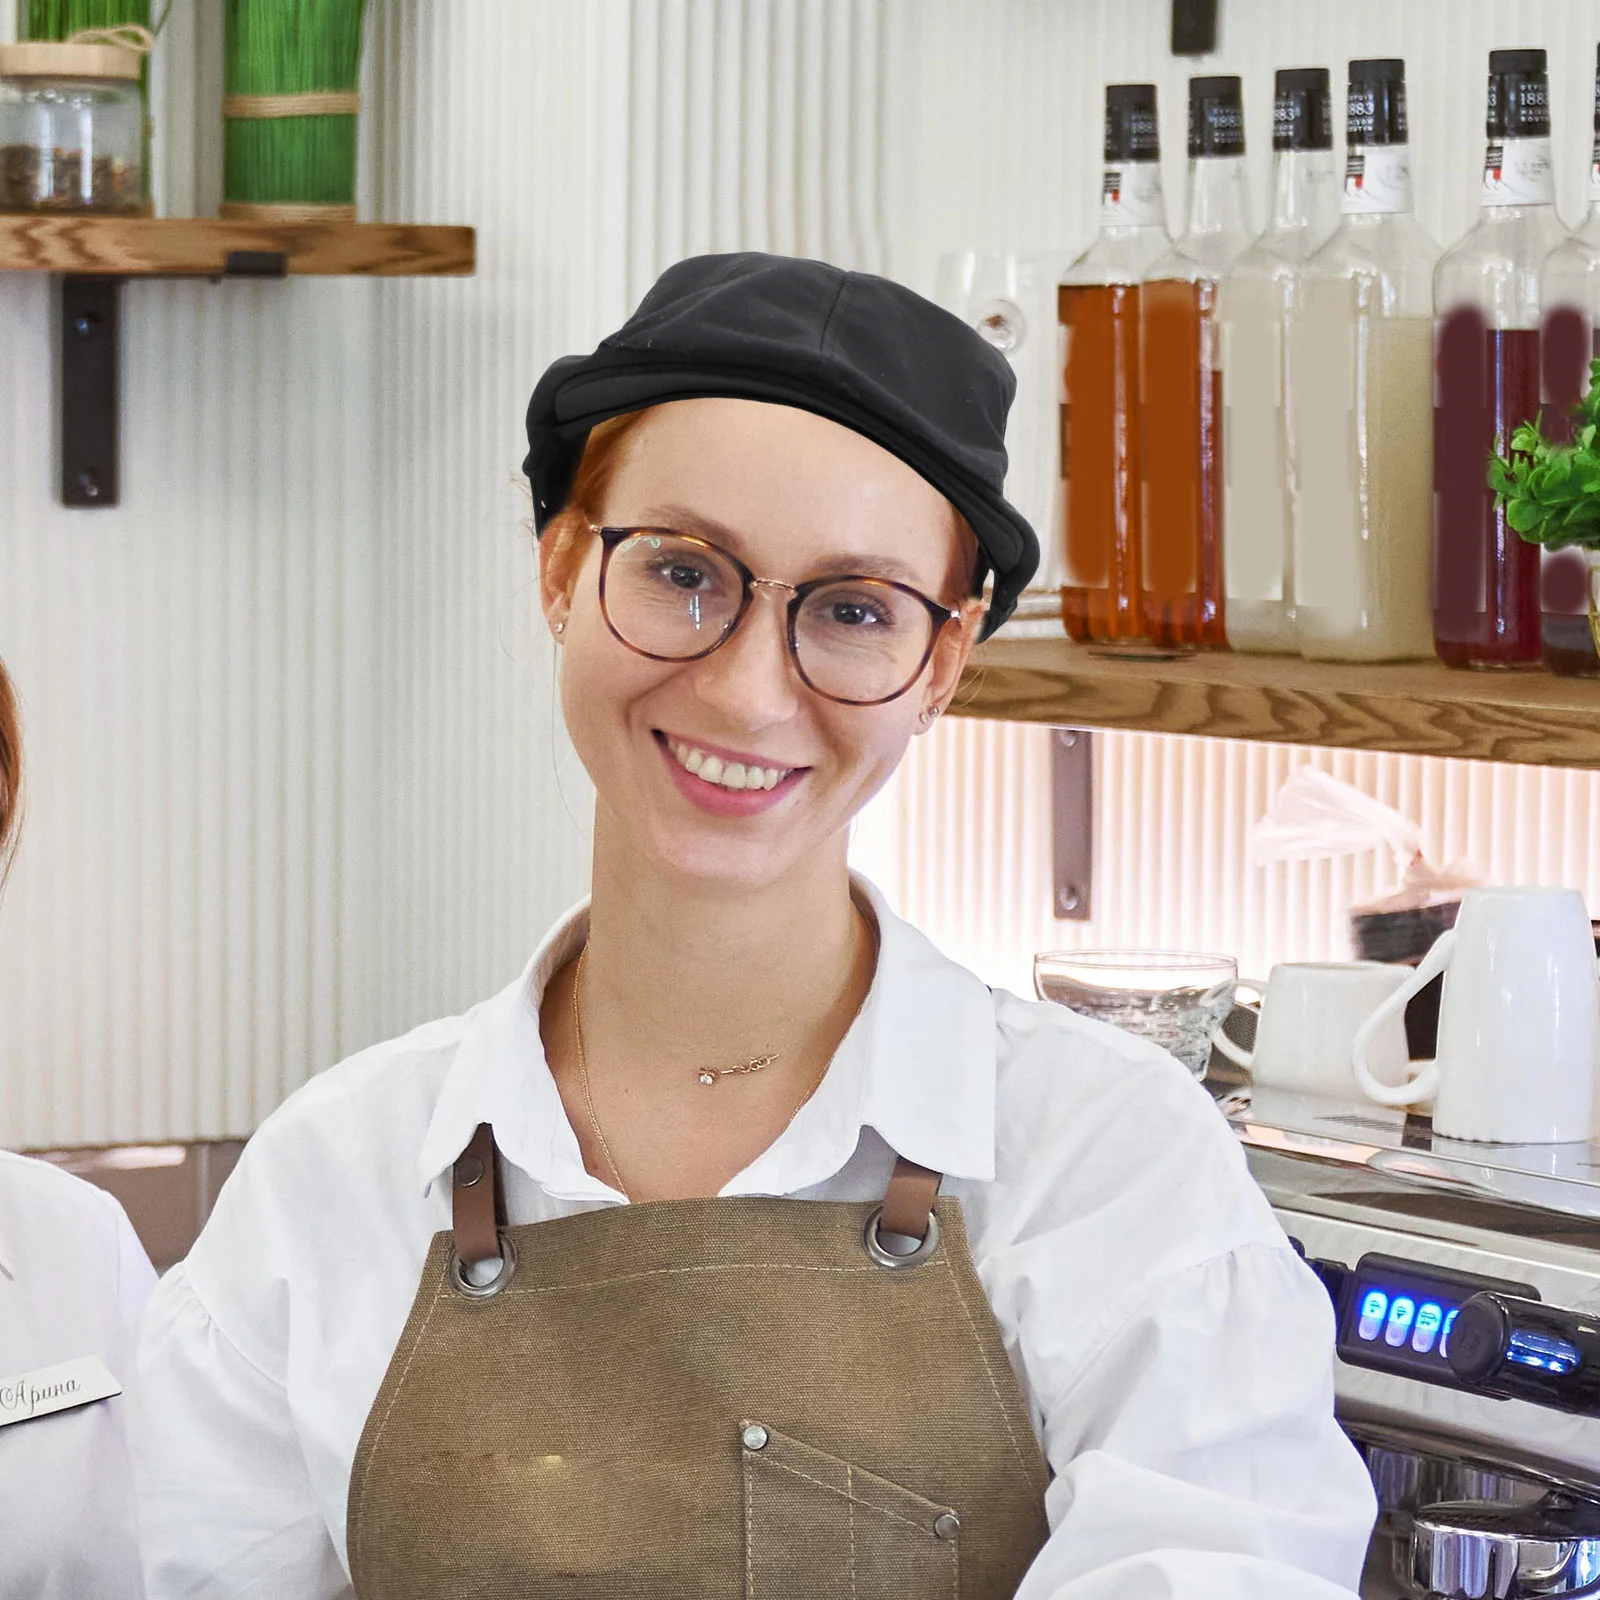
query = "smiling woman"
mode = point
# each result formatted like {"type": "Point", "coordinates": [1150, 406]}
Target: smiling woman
{"type": "Point", "coordinates": [745, 1243]}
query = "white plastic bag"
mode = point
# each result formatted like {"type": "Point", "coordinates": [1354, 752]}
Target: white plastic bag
{"type": "Point", "coordinates": [1316, 817]}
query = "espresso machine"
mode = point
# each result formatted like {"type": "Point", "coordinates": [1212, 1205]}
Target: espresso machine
{"type": "Point", "coordinates": [1465, 1280]}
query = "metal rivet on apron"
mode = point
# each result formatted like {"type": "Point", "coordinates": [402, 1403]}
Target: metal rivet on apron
{"type": "Point", "coordinates": [755, 1437]}
{"type": "Point", "coordinates": [468, 1170]}
{"type": "Point", "coordinates": [947, 1526]}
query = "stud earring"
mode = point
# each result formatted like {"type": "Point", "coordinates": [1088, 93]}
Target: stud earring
{"type": "Point", "coordinates": [560, 627]}
{"type": "Point", "coordinates": [927, 714]}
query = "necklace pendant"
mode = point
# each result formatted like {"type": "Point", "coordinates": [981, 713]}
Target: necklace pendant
{"type": "Point", "coordinates": [708, 1078]}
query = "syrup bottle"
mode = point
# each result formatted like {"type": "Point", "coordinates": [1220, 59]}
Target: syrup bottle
{"type": "Point", "coordinates": [1570, 285]}
{"type": "Point", "coordinates": [1098, 310]}
{"type": "Point", "coordinates": [1361, 401]}
{"type": "Point", "coordinates": [1486, 295]}
{"type": "Point", "coordinates": [1254, 305]}
{"type": "Point", "coordinates": [1181, 380]}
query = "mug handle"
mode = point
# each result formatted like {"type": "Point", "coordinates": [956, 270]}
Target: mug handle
{"type": "Point", "coordinates": [1426, 1081]}
{"type": "Point", "coordinates": [1237, 1054]}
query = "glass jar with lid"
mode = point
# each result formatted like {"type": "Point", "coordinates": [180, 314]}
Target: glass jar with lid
{"type": "Point", "coordinates": [71, 128]}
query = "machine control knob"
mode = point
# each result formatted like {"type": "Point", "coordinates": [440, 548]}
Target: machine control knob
{"type": "Point", "coordinates": [1520, 1349]}
{"type": "Point", "coordinates": [1472, 1549]}
{"type": "Point", "coordinates": [1479, 1339]}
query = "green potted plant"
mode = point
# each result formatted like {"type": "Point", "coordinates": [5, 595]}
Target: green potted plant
{"type": "Point", "coordinates": [1551, 492]}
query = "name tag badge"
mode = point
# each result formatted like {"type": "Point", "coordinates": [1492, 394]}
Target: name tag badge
{"type": "Point", "coordinates": [59, 1388]}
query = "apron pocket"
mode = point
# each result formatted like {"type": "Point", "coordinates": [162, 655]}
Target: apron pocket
{"type": "Point", "coordinates": [818, 1528]}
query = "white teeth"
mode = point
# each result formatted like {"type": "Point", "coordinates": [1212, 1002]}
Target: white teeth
{"type": "Point", "coordinates": [726, 774]}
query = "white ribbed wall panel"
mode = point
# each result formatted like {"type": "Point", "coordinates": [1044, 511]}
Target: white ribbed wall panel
{"type": "Point", "coordinates": [298, 779]}
{"type": "Point", "coordinates": [960, 841]}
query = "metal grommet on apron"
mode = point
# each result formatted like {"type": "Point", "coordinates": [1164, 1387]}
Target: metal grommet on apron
{"type": "Point", "coordinates": [906, 1215]}
{"type": "Point", "coordinates": [487, 1288]}
{"type": "Point", "coordinates": [701, 1397]}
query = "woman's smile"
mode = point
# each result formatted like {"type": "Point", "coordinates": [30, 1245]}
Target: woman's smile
{"type": "Point", "coordinates": [725, 782]}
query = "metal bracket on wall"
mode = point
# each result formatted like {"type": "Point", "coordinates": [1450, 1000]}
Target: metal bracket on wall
{"type": "Point", "coordinates": [88, 399]}
{"type": "Point", "coordinates": [1072, 823]}
{"type": "Point", "coordinates": [88, 394]}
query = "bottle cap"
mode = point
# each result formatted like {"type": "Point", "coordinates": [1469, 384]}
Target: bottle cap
{"type": "Point", "coordinates": [1519, 95]}
{"type": "Point", "coordinates": [1216, 117]}
{"type": "Point", "coordinates": [1302, 109]}
{"type": "Point", "coordinates": [1132, 133]}
{"type": "Point", "coordinates": [1376, 110]}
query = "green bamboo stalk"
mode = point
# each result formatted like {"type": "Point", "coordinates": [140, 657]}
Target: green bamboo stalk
{"type": "Point", "coordinates": [291, 47]}
{"type": "Point", "coordinates": [60, 19]}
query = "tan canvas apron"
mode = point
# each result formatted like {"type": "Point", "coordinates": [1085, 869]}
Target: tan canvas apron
{"type": "Point", "coordinates": [695, 1398]}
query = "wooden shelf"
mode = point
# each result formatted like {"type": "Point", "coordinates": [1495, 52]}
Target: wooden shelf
{"type": "Point", "coordinates": [1419, 708]}
{"type": "Point", "coordinates": [144, 247]}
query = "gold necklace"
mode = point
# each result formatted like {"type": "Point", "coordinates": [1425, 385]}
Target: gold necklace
{"type": "Point", "coordinates": [705, 1075]}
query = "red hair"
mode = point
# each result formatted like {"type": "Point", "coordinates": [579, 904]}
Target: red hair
{"type": "Point", "coordinates": [603, 454]}
{"type": "Point", "coordinates": [10, 770]}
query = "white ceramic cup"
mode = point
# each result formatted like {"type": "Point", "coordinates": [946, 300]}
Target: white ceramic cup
{"type": "Point", "coordinates": [1310, 1014]}
{"type": "Point", "coordinates": [1519, 1024]}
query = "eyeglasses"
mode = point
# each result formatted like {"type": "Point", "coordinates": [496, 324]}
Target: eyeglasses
{"type": "Point", "coordinates": [674, 597]}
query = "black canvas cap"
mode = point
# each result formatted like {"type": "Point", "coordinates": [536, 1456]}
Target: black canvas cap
{"type": "Point", "coordinates": [863, 351]}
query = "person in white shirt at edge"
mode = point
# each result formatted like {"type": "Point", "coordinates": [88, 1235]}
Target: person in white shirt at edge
{"type": "Point", "coordinates": [73, 1282]}
{"type": "Point", "coordinates": [650, 1335]}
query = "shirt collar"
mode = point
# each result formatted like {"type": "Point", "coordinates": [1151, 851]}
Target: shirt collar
{"type": "Point", "coordinates": [917, 1066]}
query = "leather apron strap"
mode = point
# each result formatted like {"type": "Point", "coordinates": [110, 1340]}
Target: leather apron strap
{"type": "Point", "coordinates": [477, 1199]}
{"type": "Point", "coordinates": [478, 1206]}
{"type": "Point", "coordinates": [908, 1201]}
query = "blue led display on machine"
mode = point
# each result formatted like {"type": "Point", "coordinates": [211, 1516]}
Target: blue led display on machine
{"type": "Point", "coordinates": [1393, 1318]}
{"type": "Point", "coordinates": [1396, 1316]}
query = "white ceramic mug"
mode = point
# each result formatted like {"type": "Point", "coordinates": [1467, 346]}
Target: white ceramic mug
{"type": "Point", "coordinates": [1310, 1013]}
{"type": "Point", "coordinates": [1519, 1024]}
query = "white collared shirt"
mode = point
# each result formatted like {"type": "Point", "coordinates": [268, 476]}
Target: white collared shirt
{"type": "Point", "coordinates": [73, 1282]}
{"type": "Point", "coordinates": [1177, 1356]}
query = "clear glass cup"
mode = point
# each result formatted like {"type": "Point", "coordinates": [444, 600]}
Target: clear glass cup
{"type": "Point", "coordinates": [1175, 999]}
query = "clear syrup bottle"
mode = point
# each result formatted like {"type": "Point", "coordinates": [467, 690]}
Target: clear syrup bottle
{"type": "Point", "coordinates": [1570, 287]}
{"type": "Point", "coordinates": [1098, 310]}
{"type": "Point", "coordinates": [1486, 291]}
{"type": "Point", "coordinates": [1254, 304]}
{"type": "Point", "coordinates": [1361, 400]}
{"type": "Point", "coordinates": [1181, 378]}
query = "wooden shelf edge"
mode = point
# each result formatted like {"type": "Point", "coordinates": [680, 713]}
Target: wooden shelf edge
{"type": "Point", "coordinates": [137, 247]}
{"type": "Point", "coordinates": [1414, 708]}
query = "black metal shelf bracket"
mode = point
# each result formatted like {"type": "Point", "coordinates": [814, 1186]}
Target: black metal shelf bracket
{"type": "Point", "coordinates": [87, 399]}
{"type": "Point", "coordinates": [88, 389]}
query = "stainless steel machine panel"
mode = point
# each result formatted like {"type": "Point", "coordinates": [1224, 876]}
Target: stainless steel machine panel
{"type": "Point", "coordinates": [1408, 1232]}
